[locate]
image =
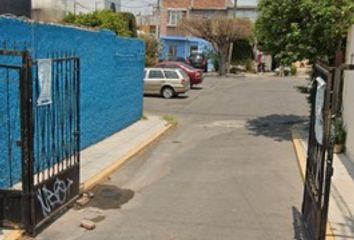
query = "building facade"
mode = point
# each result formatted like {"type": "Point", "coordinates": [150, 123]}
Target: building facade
{"type": "Point", "coordinates": [147, 24]}
{"type": "Point", "coordinates": [174, 10]}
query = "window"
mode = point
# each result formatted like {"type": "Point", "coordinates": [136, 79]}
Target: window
{"type": "Point", "coordinates": [171, 74]}
{"type": "Point", "coordinates": [174, 16]}
{"type": "Point", "coordinates": [172, 51]}
{"type": "Point", "coordinates": [155, 74]}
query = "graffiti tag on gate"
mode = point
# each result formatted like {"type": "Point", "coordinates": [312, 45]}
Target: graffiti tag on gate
{"type": "Point", "coordinates": [49, 199]}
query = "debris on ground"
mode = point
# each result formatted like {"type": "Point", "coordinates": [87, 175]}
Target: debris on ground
{"type": "Point", "coordinates": [82, 201]}
{"type": "Point", "coordinates": [87, 224]}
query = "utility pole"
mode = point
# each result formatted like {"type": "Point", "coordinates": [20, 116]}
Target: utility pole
{"type": "Point", "coordinates": [232, 44]}
{"type": "Point", "coordinates": [158, 12]}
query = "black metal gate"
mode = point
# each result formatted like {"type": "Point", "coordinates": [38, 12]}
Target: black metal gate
{"type": "Point", "coordinates": [43, 147]}
{"type": "Point", "coordinates": [326, 95]}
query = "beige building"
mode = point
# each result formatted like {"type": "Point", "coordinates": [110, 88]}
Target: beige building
{"type": "Point", "coordinates": [348, 98]}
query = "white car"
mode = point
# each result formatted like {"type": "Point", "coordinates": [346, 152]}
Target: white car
{"type": "Point", "coordinates": [167, 82]}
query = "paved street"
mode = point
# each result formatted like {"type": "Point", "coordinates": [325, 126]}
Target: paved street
{"type": "Point", "coordinates": [228, 171]}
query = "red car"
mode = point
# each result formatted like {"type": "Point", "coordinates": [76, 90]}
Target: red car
{"type": "Point", "coordinates": [195, 75]}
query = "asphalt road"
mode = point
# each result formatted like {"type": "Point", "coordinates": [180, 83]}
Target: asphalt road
{"type": "Point", "coordinates": [228, 171]}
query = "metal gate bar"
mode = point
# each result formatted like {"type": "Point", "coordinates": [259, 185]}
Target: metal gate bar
{"type": "Point", "coordinates": [57, 162]}
{"type": "Point", "coordinates": [50, 136]}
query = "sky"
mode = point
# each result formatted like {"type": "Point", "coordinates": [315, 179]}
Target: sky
{"type": "Point", "coordinates": [145, 6]}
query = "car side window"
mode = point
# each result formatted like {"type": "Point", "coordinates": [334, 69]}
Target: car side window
{"type": "Point", "coordinates": [156, 74]}
{"type": "Point", "coordinates": [171, 74]}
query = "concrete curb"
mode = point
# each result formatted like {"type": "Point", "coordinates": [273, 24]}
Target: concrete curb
{"type": "Point", "coordinates": [102, 176]}
{"type": "Point", "coordinates": [301, 160]}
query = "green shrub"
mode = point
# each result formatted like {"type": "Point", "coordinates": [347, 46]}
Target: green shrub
{"type": "Point", "coordinates": [233, 70]}
{"type": "Point", "coordinates": [250, 66]}
{"type": "Point", "coordinates": [339, 130]}
{"type": "Point", "coordinates": [131, 21]}
{"type": "Point", "coordinates": [293, 69]}
{"type": "Point", "coordinates": [113, 21]}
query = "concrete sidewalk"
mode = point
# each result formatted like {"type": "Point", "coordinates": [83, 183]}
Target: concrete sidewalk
{"type": "Point", "coordinates": [341, 206]}
{"type": "Point", "coordinates": [103, 158]}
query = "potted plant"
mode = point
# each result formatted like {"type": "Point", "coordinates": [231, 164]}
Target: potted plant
{"type": "Point", "coordinates": [340, 136]}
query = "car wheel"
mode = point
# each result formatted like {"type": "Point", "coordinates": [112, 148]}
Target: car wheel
{"type": "Point", "coordinates": [167, 92]}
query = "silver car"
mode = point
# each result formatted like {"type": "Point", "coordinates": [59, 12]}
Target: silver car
{"type": "Point", "coordinates": [167, 82]}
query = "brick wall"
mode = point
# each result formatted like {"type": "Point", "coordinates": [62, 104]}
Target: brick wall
{"type": "Point", "coordinates": [209, 4]}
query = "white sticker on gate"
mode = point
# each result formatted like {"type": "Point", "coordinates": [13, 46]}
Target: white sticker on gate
{"type": "Point", "coordinates": [44, 82]}
{"type": "Point", "coordinates": [320, 97]}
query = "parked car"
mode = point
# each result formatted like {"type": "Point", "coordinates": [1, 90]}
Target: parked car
{"type": "Point", "coordinates": [177, 59]}
{"type": "Point", "coordinates": [166, 82]}
{"type": "Point", "coordinates": [195, 75]}
{"type": "Point", "coordinates": [198, 60]}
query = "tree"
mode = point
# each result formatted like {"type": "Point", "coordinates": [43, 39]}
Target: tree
{"type": "Point", "coordinates": [295, 30]}
{"type": "Point", "coordinates": [131, 22]}
{"type": "Point", "coordinates": [122, 24]}
{"type": "Point", "coordinates": [220, 31]}
{"type": "Point", "coordinates": [151, 50]}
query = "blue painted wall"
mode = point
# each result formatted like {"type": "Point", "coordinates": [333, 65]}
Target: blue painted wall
{"type": "Point", "coordinates": [183, 45]}
{"type": "Point", "coordinates": [111, 77]}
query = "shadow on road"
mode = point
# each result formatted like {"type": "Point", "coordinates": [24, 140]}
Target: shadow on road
{"type": "Point", "coordinates": [110, 197]}
{"type": "Point", "coordinates": [299, 226]}
{"type": "Point", "coordinates": [158, 96]}
{"type": "Point", "coordinates": [274, 126]}
{"type": "Point", "coordinates": [196, 88]}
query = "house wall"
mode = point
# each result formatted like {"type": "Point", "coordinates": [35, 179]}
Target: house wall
{"type": "Point", "coordinates": [111, 90]}
{"type": "Point", "coordinates": [207, 13]}
{"type": "Point", "coordinates": [245, 12]}
{"type": "Point", "coordinates": [348, 97]}
{"type": "Point", "coordinates": [49, 10]}
{"type": "Point", "coordinates": [199, 7]}
{"type": "Point", "coordinates": [181, 47]}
